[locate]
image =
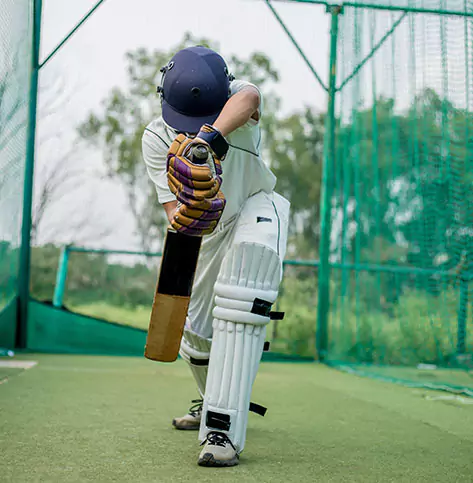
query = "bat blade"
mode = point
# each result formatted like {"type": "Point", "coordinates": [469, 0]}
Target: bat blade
{"type": "Point", "coordinates": [172, 297]}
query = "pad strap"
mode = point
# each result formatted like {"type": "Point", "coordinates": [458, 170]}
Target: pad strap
{"type": "Point", "coordinates": [222, 421]}
{"type": "Point", "coordinates": [258, 409]}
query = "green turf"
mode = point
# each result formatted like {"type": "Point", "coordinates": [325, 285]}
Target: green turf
{"type": "Point", "coordinates": [107, 419]}
{"type": "Point", "coordinates": [135, 316]}
{"type": "Point", "coordinates": [6, 373]}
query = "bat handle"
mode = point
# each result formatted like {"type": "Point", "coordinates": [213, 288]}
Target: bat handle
{"type": "Point", "coordinates": [199, 154]}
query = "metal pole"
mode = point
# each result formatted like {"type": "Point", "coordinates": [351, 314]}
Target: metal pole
{"type": "Point", "coordinates": [71, 33]}
{"type": "Point", "coordinates": [462, 317]}
{"type": "Point", "coordinates": [323, 305]}
{"type": "Point", "coordinates": [390, 8]}
{"type": "Point", "coordinates": [25, 249]}
{"type": "Point", "coordinates": [61, 277]}
{"type": "Point", "coordinates": [296, 45]}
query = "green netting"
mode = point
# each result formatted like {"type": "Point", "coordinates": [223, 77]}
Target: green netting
{"type": "Point", "coordinates": [15, 55]}
{"type": "Point", "coordinates": [402, 202]}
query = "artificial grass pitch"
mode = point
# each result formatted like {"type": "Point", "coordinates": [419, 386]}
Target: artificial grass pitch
{"type": "Point", "coordinates": [104, 419]}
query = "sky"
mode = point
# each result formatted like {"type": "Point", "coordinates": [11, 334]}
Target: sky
{"type": "Point", "coordinates": [96, 54]}
{"type": "Point", "coordinates": [82, 73]}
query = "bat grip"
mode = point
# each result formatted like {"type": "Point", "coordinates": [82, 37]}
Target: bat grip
{"type": "Point", "coordinates": [199, 154]}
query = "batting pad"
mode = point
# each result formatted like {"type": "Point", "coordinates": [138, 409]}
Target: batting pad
{"type": "Point", "coordinates": [246, 288]}
{"type": "Point", "coordinates": [195, 350]}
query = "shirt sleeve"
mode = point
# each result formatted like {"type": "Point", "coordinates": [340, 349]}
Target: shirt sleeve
{"type": "Point", "coordinates": [154, 155]}
{"type": "Point", "coordinates": [238, 85]}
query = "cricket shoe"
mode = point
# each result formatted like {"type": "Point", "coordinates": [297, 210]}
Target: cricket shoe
{"type": "Point", "coordinates": [191, 421]}
{"type": "Point", "coordinates": [218, 451]}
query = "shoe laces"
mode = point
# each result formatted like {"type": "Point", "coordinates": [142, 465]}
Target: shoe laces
{"type": "Point", "coordinates": [218, 439]}
{"type": "Point", "coordinates": [196, 407]}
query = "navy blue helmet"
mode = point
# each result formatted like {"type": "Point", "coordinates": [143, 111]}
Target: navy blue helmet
{"type": "Point", "coordinates": [194, 88]}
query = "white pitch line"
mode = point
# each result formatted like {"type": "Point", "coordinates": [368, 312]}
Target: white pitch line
{"type": "Point", "coordinates": [17, 364]}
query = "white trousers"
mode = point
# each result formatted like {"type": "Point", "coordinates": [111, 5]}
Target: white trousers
{"type": "Point", "coordinates": [263, 219]}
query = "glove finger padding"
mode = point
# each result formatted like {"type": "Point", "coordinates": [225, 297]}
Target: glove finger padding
{"type": "Point", "coordinates": [190, 226]}
{"type": "Point", "coordinates": [192, 181]}
{"type": "Point", "coordinates": [189, 195]}
{"type": "Point", "coordinates": [184, 225]}
{"type": "Point", "coordinates": [198, 214]}
{"type": "Point", "coordinates": [201, 218]}
{"type": "Point", "coordinates": [189, 170]}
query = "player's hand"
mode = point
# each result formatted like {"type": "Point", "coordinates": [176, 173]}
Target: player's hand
{"type": "Point", "coordinates": [196, 187]}
{"type": "Point", "coordinates": [191, 182]}
{"type": "Point", "coordinates": [201, 218]}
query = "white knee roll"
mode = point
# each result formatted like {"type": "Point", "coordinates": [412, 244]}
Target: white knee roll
{"type": "Point", "coordinates": [195, 350]}
{"type": "Point", "coordinates": [246, 288]}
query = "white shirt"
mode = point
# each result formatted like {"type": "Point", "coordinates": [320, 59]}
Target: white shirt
{"type": "Point", "coordinates": [244, 172]}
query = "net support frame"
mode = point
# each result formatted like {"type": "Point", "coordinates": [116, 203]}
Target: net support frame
{"type": "Point", "coordinates": [25, 248]}
{"type": "Point", "coordinates": [390, 8]}
{"type": "Point", "coordinates": [71, 33]}
{"type": "Point", "coordinates": [61, 277]}
{"type": "Point", "coordinates": [323, 305]}
{"type": "Point", "coordinates": [296, 45]}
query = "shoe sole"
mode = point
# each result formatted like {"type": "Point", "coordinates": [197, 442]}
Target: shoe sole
{"type": "Point", "coordinates": [185, 428]}
{"type": "Point", "coordinates": [209, 460]}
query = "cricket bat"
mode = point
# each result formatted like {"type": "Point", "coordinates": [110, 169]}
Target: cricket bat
{"type": "Point", "coordinates": [174, 287]}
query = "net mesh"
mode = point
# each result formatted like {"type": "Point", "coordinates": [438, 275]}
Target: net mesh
{"type": "Point", "coordinates": [15, 55]}
{"type": "Point", "coordinates": [401, 235]}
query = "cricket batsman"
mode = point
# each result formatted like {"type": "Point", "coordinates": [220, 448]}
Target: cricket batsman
{"type": "Point", "coordinates": [231, 203]}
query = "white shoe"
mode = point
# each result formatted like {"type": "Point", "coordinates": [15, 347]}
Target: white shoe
{"type": "Point", "coordinates": [218, 451]}
{"type": "Point", "coordinates": [191, 421]}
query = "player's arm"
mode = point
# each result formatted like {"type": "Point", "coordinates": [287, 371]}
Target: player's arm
{"type": "Point", "coordinates": [238, 110]}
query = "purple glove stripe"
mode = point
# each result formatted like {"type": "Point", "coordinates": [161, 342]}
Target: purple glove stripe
{"type": "Point", "coordinates": [193, 183]}
{"type": "Point", "coordinates": [211, 215]}
{"type": "Point", "coordinates": [202, 224]}
{"type": "Point", "coordinates": [216, 204]}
